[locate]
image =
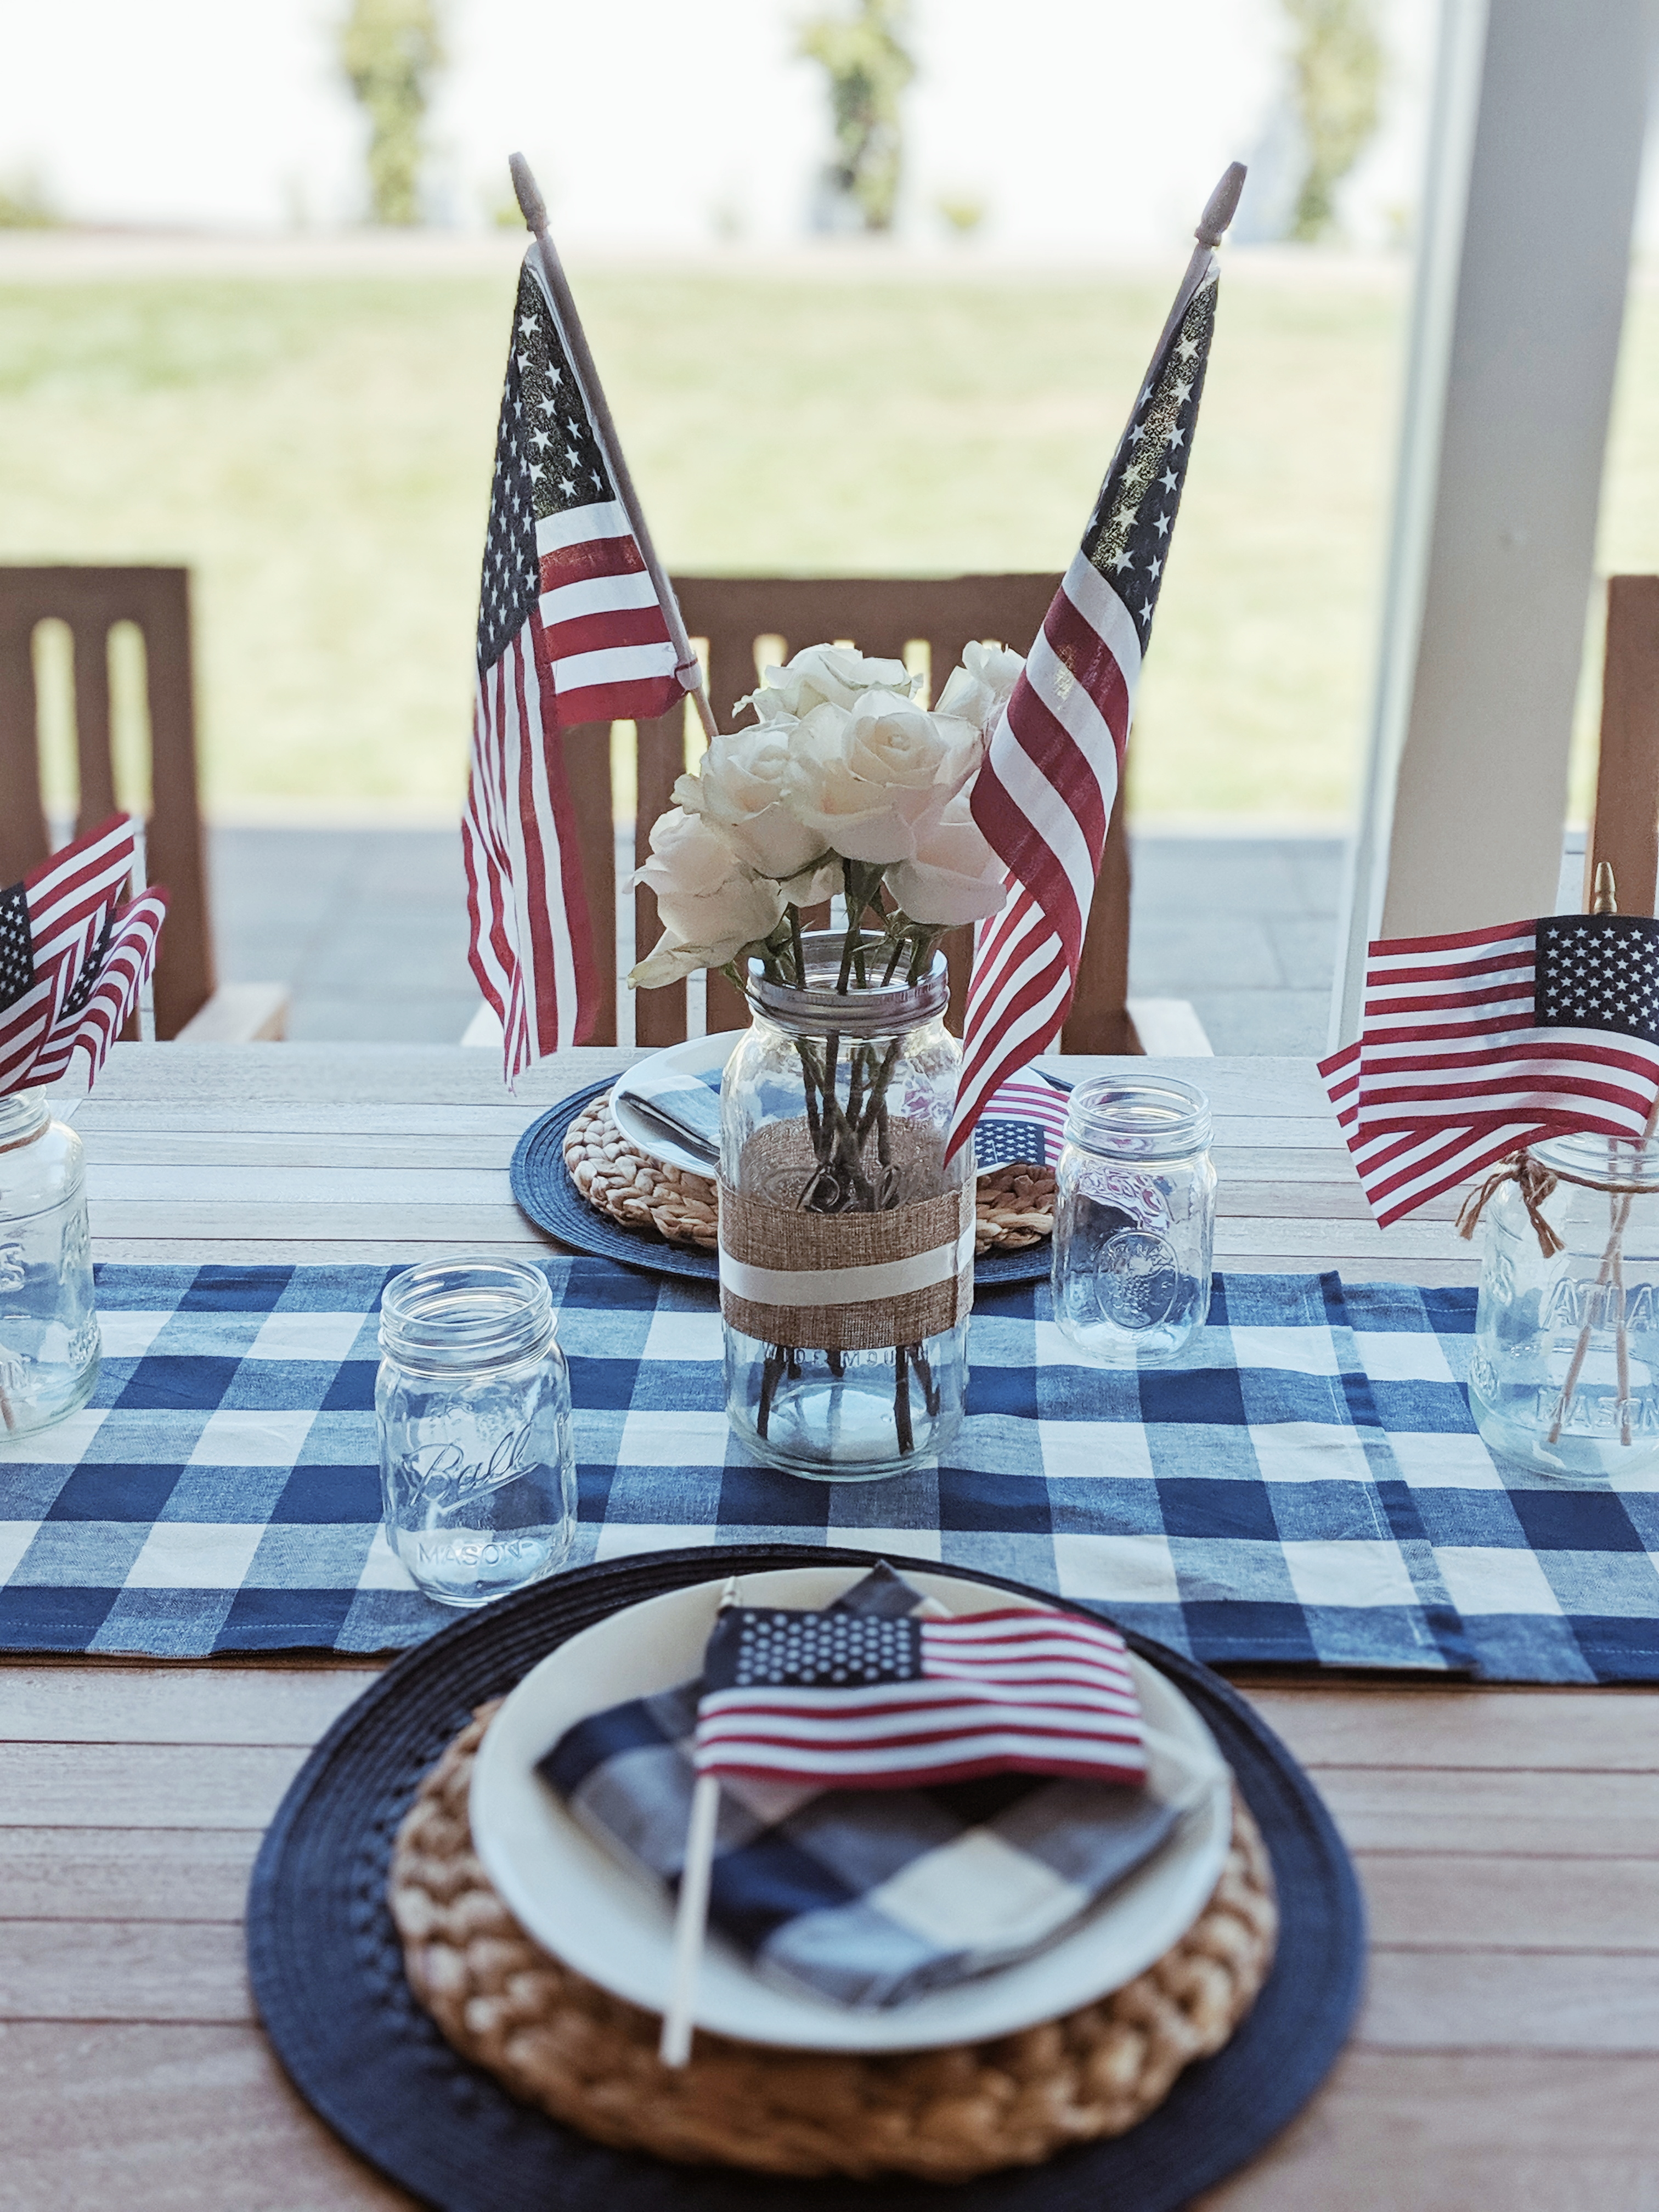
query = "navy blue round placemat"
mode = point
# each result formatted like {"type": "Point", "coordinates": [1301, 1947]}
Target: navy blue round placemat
{"type": "Point", "coordinates": [544, 1189]}
{"type": "Point", "coordinates": [328, 1979]}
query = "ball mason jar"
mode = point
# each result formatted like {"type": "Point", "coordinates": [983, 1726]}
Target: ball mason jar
{"type": "Point", "coordinates": [1564, 1374]}
{"type": "Point", "coordinates": [477, 1472]}
{"type": "Point", "coordinates": [1135, 1219]}
{"type": "Point", "coordinates": [846, 1235]}
{"type": "Point", "coordinates": [49, 1340]}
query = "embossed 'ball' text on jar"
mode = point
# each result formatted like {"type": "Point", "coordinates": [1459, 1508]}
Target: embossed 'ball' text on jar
{"type": "Point", "coordinates": [49, 1340]}
{"type": "Point", "coordinates": [1134, 1220]}
{"type": "Point", "coordinates": [1564, 1374]}
{"type": "Point", "coordinates": [477, 1469]}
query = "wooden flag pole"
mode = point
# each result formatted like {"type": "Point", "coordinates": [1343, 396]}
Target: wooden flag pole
{"type": "Point", "coordinates": [1218, 212]}
{"type": "Point", "coordinates": [691, 1920]}
{"type": "Point", "coordinates": [533, 208]}
{"type": "Point", "coordinates": [692, 1915]}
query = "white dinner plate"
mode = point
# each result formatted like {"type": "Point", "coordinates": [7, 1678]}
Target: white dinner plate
{"type": "Point", "coordinates": [615, 1925]}
{"type": "Point", "coordinates": [700, 1060]}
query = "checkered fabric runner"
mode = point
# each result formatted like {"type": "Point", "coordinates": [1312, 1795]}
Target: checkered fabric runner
{"type": "Point", "coordinates": [1307, 1488]}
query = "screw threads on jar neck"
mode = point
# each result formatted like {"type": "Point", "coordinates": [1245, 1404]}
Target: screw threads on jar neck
{"type": "Point", "coordinates": [23, 1116]}
{"type": "Point", "coordinates": [1157, 1117]}
{"type": "Point", "coordinates": [464, 1316]}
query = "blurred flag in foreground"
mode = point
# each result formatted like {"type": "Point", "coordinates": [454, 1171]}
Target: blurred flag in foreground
{"type": "Point", "coordinates": [73, 958]}
{"type": "Point", "coordinates": [570, 630]}
{"type": "Point", "coordinates": [1477, 1044]}
{"type": "Point", "coordinates": [1044, 795]}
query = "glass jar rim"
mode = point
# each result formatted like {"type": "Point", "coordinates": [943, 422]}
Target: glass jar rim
{"type": "Point", "coordinates": [1148, 1117]}
{"type": "Point", "coordinates": [449, 1317]}
{"type": "Point", "coordinates": [1580, 1157]}
{"type": "Point", "coordinates": [862, 1010]}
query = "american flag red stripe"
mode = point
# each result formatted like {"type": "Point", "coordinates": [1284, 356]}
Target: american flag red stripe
{"type": "Point", "coordinates": [126, 962]}
{"type": "Point", "coordinates": [1044, 795]}
{"type": "Point", "coordinates": [56, 929]}
{"type": "Point", "coordinates": [1005, 1692]}
{"type": "Point", "coordinates": [1474, 1045]}
{"type": "Point", "coordinates": [570, 631]}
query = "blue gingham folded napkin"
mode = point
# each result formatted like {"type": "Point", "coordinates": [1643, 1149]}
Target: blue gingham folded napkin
{"type": "Point", "coordinates": [868, 1899]}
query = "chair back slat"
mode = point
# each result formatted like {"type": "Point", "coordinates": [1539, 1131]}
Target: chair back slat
{"type": "Point", "coordinates": [659, 1016]}
{"type": "Point", "coordinates": [1625, 829]}
{"type": "Point", "coordinates": [23, 820]}
{"type": "Point", "coordinates": [588, 762]}
{"type": "Point", "coordinates": [90, 601]}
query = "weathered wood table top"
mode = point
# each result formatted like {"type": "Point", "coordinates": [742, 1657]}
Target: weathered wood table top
{"type": "Point", "coordinates": [1508, 2053]}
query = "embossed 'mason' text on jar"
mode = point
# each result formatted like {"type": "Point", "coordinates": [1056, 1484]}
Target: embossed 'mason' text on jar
{"type": "Point", "coordinates": [1134, 1220]}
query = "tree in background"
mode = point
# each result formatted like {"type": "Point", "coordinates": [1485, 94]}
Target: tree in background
{"type": "Point", "coordinates": [868, 66]}
{"type": "Point", "coordinates": [1336, 74]}
{"type": "Point", "coordinates": [391, 51]}
{"type": "Point", "coordinates": [25, 202]}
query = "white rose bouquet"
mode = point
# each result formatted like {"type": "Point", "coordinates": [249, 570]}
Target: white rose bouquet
{"type": "Point", "coordinates": [844, 783]}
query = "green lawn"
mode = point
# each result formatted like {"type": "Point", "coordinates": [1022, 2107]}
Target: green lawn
{"type": "Point", "coordinates": [317, 449]}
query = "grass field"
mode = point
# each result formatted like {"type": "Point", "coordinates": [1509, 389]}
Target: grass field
{"type": "Point", "coordinates": [316, 447]}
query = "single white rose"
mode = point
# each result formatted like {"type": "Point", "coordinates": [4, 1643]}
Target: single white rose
{"type": "Point", "coordinates": [980, 689]}
{"type": "Point", "coordinates": [861, 779]}
{"type": "Point", "coordinates": [954, 876]}
{"type": "Point", "coordinates": [821, 674]}
{"type": "Point", "coordinates": [712, 904]}
{"type": "Point", "coordinates": [738, 787]}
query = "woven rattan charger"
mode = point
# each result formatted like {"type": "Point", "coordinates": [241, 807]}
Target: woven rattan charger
{"type": "Point", "coordinates": [559, 2041]}
{"type": "Point", "coordinates": [1015, 1204]}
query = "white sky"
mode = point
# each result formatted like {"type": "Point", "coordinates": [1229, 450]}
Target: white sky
{"type": "Point", "coordinates": [1091, 127]}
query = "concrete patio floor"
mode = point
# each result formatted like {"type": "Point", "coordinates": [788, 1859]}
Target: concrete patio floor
{"type": "Point", "coordinates": [368, 929]}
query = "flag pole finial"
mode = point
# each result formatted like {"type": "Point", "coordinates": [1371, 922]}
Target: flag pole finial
{"type": "Point", "coordinates": [1604, 898]}
{"type": "Point", "coordinates": [531, 205]}
{"type": "Point", "coordinates": [1219, 209]}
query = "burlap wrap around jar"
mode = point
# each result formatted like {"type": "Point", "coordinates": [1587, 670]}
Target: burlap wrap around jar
{"type": "Point", "coordinates": [846, 1225]}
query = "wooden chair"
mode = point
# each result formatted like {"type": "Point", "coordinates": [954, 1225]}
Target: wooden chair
{"type": "Point", "coordinates": [882, 615]}
{"type": "Point", "coordinates": [91, 601]}
{"type": "Point", "coordinates": [1625, 828]}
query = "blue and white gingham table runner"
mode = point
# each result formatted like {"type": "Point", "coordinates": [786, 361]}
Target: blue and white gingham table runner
{"type": "Point", "coordinates": [1307, 1488]}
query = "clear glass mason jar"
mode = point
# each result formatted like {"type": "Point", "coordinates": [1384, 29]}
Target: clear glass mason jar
{"type": "Point", "coordinates": [835, 1113]}
{"type": "Point", "coordinates": [49, 1340]}
{"type": "Point", "coordinates": [1564, 1375]}
{"type": "Point", "coordinates": [1135, 1219]}
{"type": "Point", "coordinates": [477, 1472]}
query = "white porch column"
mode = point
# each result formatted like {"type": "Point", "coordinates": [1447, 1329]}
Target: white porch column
{"type": "Point", "coordinates": [1534, 160]}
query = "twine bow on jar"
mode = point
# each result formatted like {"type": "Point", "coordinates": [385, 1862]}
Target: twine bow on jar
{"type": "Point", "coordinates": [1534, 1184]}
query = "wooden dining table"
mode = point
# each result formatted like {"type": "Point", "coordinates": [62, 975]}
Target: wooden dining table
{"type": "Point", "coordinates": [1507, 2056]}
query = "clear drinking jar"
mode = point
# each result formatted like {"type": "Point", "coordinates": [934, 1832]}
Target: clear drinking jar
{"type": "Point", "coordinates": [835, 1114]}
{"type": "Point", "coordinates": [49, 1341]}
{"type": "Point", "coordinates": [477, 1472]}
{"type": "Point", "coordinates": [1564, 1375]}
{"type": "Point", "coordinates": [1135, 1219]}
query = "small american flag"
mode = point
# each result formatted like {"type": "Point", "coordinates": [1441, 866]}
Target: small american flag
{"type": "Point", "coordinates": [1044, 795]}
{"type": "Point", "coordinates": [1025, 1120]}
{"type": "Point", "coordinates": [570, 630]}
{"type": "Point", "coordinates": [1477, 1043]}
{"type": "Point", "coordinates": [72, 958]}
{"type": "Point", "coordinates": [866, 1701]}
